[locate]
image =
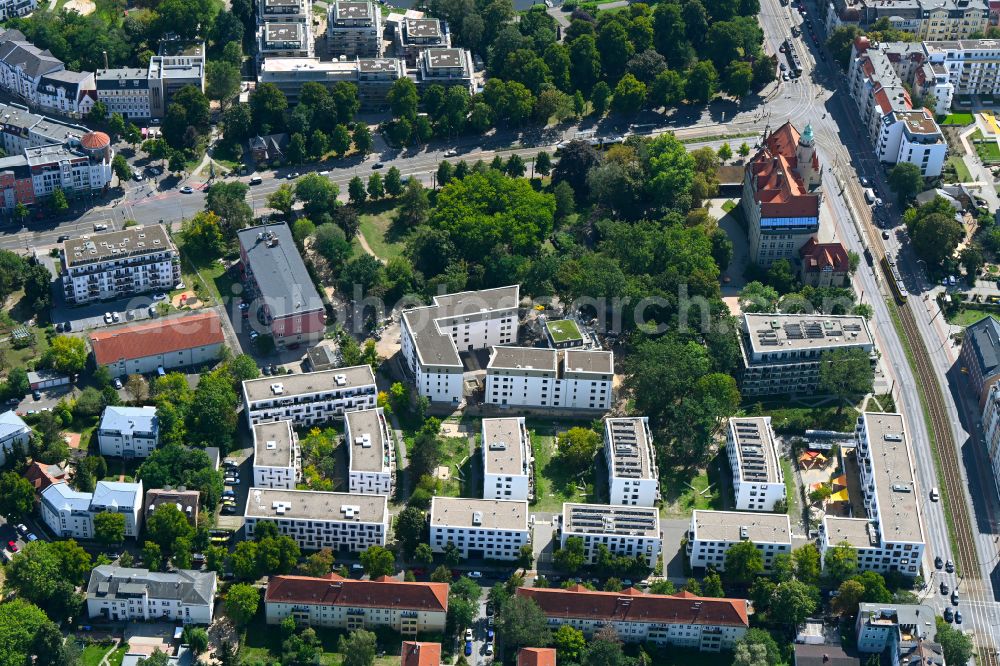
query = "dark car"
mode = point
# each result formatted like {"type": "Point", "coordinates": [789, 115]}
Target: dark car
{"type": "Point", "coordinates": [954, 598]}
{"type": "Point", "coordinates": [938, 562]}
{"type": "Point", "coordinates": [62, 238]}
{"type": "Point", "coordinates": [378, 165]}
{"type": "Point", "coordinates": [37, 395]}
{"type": "Point", "coordinates": [944, 588]}
{"type": "Point", "coordinates": [468, 648]}
{"type": "Point", "coordinates": [958, 617]}
{"type": "Point", "coordinates": [949, 615]}
{"type": "Point", "coordinates": [949, 566]}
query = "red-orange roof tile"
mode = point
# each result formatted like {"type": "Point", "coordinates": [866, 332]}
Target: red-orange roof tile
{"type": "Point", "coordinates": [820, 256]}
{"type": "Point", "coordinates": [536, 657]}
{"type": "Point", "coordinates": [420, 654]}
{"type": "Point", "coordinates": [656, 608]}
{"type": "Point", "coordinates": [157, 337]}
{"type": "Point", "coordinates": [333, 590]}
{"type": "Point", "coordinates": [780, 190]}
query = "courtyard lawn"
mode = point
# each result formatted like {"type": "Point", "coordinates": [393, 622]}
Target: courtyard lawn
{"type": "Point", "coordinates": [379, 232]}
{"type": "Point", "coordinates": [796, 419]}
{"type": "Point", "coordinates": [968, 316]}
{"type": "Point", "coordinates": [790, 494]}
{"type": "Point", "coordinates": [961, 171]}
{"type": "Point", "coordinates": [19, 358]}
{"type": "Point", "coordinates": [683, 494]}
{"type": "Point", "coordinates": [458, 460]}
{"type": "Point", "coordinates": [92, 655]}
{"type": "Point", "coordinates": [988, 151]}
{"type": "Point", "coordinates": [563, 330]}
{"type": "Point", "coordinates": [116, 657]}
{"type": "Point", "coordinates": [956, 119]}
{"type": "Point", "coordinates": [553, 485]}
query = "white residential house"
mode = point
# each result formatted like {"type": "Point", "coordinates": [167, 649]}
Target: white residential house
{"type": "Point", "coordinates": [758, 480]}
{"type": "Point", "coordinates": [891, 536]}
{"type": "Point", "coordinates": [119, 594]}
{"type": "Point", "coordinates": [309, 398]}
{"type": "Point", "coordinates": [507, 461]}
{"type": "Point", "coordinates": [432, 336]}
{"type": "Point", "coordinates": [354, 29]}
{"type": "Point", "coordinates": [624, 531]}
{"type": "Point", "coordinates": [70, 513]}
{"type": "Point", "coordinates": [128, 432]}
{"type": "Point", "coordinates": [480, 529]}
{"type": "Point", "coordinates": [277, 459]}
{"type": "Point", "coordinates": [712, 533]}
{"type": "Point", "coordinates": [535, 377]}
{"type": "Point", "coordinates": [371, 453]}
{"type": "Point", "coordinates": [14, 434]}
{"type": "Point", "coordinates": [628, 450]}
{"type": "Point", "coordinates": [339, 521]}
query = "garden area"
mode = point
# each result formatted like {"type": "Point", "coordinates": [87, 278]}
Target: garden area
{"type": "Point", "coordinates": [379, 230]}
{"type": "Point", "coordinates": [791, 419]}
{"type": "Point", "coordinates": [988, 151]}
{"type": "Point", "coordinates": [956, 119]}
{"type": "Point", "coordinates": [263, 644]}
{"type": "Point", "coordinates": [554, 482]}
{"type": "Point", "coordinates": [683, 493]}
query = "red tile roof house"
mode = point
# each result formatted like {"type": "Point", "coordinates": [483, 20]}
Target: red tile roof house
{"type": "Point", "coordinates": [181, 342]}
{"type": "Point", "coordinates": [536, 657]}
{"type": "Point", "coordinates": [824, 264]}
{"type": "Point", "coordinates": [344, 603]}
{"type": "Point", "coordinates": [420, 654]}
{"type": "Point", "coordinates": [683, 620]}
{"type": "Point", "coordinates": [42, 476]}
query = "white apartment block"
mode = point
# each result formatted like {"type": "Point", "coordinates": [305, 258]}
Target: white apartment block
{"type": "Point", "coordinates": [700, 623]}
{"type": "Point", "coordinates": [781, 352]}
{"type": "Point", "coordinates": [354, 29]}
{"type": "Point", "coordinates": [712, 533]}
{"type": "Point", "coordinates": [22, 64]}
{"type": "Point", "coordinates": [14, 433]}
{"type": "Point", "coordinates": [633, 477]}
{"type": "Point", "coordinates": [962, 67]}
{"type": "Point", "coordinates": [344, 603]}
{"type": "Point", "coordinates": [897, 131]}
{"type": "Point", "coordinates": [535, 377]}
{"type": "Point", "coordinates": [624, 531]}
{"type": "Point", "coordinates": [371, 453]}
{"type": "Point", "coordinates": [880, 626]}
{"type": "Point", "coordinates": [480, 529]}
{"type": "Point", "coordinates": [507, 459]}
{"type": "Point", "coordinates": [128, 432]}
{"type": "Point", "coordinates": [447, 67]}
{"type": "Point", "coordinates": [309, 398]}
{"type": "Point", "coordinates": [12, 8]}
{"type": "Point", "coordinates": [277, 460]}
{"type": "Point", "coordinates": [70, 513]}
{"type": "Point", "coordinates": [432, 336]}
{"type": "Point", "coordinates": [339, 521]}
{"type": "Point", "coordinates": [891, 537]}
{"type": "Point", "coordinates": [284, 11]}
{"type": "Point", "coordinates": [758, 480]}
{"type": "Point", "coordinates": [118, 594]}
{"type": "Point", "coordinates": [991, 429]}
{"type": "Point", "coordinates": [115, 264]}
{"type": "Point", "coordinates": [285, 40]}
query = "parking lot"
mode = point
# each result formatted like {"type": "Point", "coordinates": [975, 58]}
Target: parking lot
{"type": "Point", "coordinates": [96, 315]}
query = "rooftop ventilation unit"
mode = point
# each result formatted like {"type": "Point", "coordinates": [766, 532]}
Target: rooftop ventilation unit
{"type": "Point", "coordinates": [477, 517]}
{"type": "Point", "coordinates": [498, 446]}
{"type": "Point", "coordinates": [277, 388]}
{"type": "Point", "coordinates": [350, 510]}
{"type": "Point", "coordinates": [893, 437]}
{"type": "Point", "coordinates": [340, 380]}
{"type": "Point", "coordinates": [744, 532]}
{"type": "Point", "coordinates": [271, 445]}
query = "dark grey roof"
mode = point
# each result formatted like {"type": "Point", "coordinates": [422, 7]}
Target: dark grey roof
{"type": "Point", "coordinates": [191, 587]}
{"type": "Point", "coordinates": [15, 51]}
{"type": "Point", "coordinates": [134, 78]}
{"type": "Point", "coordinates": [823, 655]}
{"type": "Point", "coordinates": [984, 336]}
{"type": "Point", "coordinates": [66, 79]}
{"type": "Point", "coordinates": [278, 270]}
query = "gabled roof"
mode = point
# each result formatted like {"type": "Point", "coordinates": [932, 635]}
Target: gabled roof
{"type": "Point", "coordinates": [414, 653]}
{"type": "Point", "coordinates": [160, 337]}
{"type": "Point", "coordinates": [16, 51]}
{"type": "Point", "coordinates": [117, 494]}
{"type": "Point", "coordinates": [334, 590]}
{"type": "Point", "coordinates": [984, 337]}
{"type": "Point", "coordinates": [63, 498]}
{"type": "Point", "coordinates": [11, 424]}
{"type": "Point", "coordinates": [779, 189]}
{"type": "Point", "coordinates": [818, 256]}
{"type": "Point", "coordinates": [635, 606]}
{"type": "Point", "coordinates": [185, 585]}
{"type": "Point", "coordinates": [129, 419]}
{"type": "Point", "coordinates": [536, 657]}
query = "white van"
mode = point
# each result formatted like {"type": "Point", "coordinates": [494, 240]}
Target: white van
{"type": "Point", "coordinates": [870, 195]}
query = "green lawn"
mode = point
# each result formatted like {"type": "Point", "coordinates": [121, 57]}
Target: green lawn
{"type": "Point", "coordinates": [961, 171]}
{"type": "Point", "coordinates": [93, 654]}
{"type": "Point", "coordinates": [208, 277]}
{"type": "Point", "coordinates": [563, 330]}
{"type": "Point", "coordinates": [968, 316]}
{"type": "Point", "coordinates": [20, 358]}
{"type": "Point", "coordinates": [790, 419]}
{"type": "Point", "coordinates": [956, 119]}
{"type": "Point", "coordinates": [456, 457]}
{"type": "Point", "coordinates": [728, 205]}
{"type": "Point", "coordinates": [378, 229]}
{"type": "Point", "coordinates": [790, 494]}
{"type": "Point", "coordinates": [683, 494]}
{"type": "Point", "coordinates": [116, 657]}
{"type": "Point", "coordinates": [553, 485]}
{"type": "Point", "coordinates": [988, 151]}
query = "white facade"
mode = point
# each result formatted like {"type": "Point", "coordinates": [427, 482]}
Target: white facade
{"type": "Point", "coordinates": [277, 461]}
{"type": "Point", "coordinates": [111, 265]}
{"type": "Point", "coordinates": [534, 377]}
{"type": "Point", "coordinates": [758, 480]}
{"type": "Point", "coordinates": [431, 337]}
{"type": "Point", "coordinates": [70, 514]}
{"type": "Point", "coordinates": [507, 459]}
{"type": "Point", "coordinates": [371, 453]}
{"type": "Point", "coordinates": [339, 521]}
{"type": "Point", "coordinates": [891, 537]}
{"type": "Point", "coordinates": [480, 529]}
{"type": "Point", "coordinates": [12, 8]}
{"type": "Point", "coordinates": [118, 594]}
{"type": "Point", "coordinates": [913, 136]}
{"type": "Point", "coordinates": [310, 398]}
{"type": "Point", "coordinates": [14, 434]}
{"type": "Point", "coordinates": [633, 477]}
{"type": "Point", "coordinates": [991, 430]}
{"type": "Point", "coordinates": [354, 28]}
{"type": "Point", "coordinates": [712, 533]}
{"type": "Point", "coordinates": [632, 532]}
{"type": "Point", "coordinates": [128, 432]}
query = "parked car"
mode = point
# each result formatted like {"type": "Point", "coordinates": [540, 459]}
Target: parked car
{"type": "Point", "coordinates": [938, 562]}
{"type": "Point", "coordinates": [118, 383]}
{"type": "Point", "coordinates": [12, 546]}
{"type": "Point", "coordinates": [30, 536]}
{"type": "Point", "coordinates": [944, 588]}
{"type": "Point", "coordinates": [949, 615]}
{"type": "Point", "coordinates": [378, 165]}
{"type": "Point", "coordinates": [954, 598]}
{"type": "Point", "coordinates": [256, 180]}
{"type": "Point", "coordinates": [451, 152]}
{"type": "Point", "coordinates": [100, 227]}
{"type": "Point", "coordinates": [468, 634]}
{"type": "Point", "coordinates": [475, 574]}
{"type": "Point", "coordinates": [21, 528]}
{"type": "Point", "coordinates": [187, 190]}
{"type": "Point", "coordinates": [37, 395]}
{"type": "Point", "coordinates": [489, 649]}
{"type": "Point", "coordinates": [468, 648]}
{"type": "Point", "coordinates": [958, 617]}
{"type": "Point", "coordinates": [115, 317]}
{"type": "Point", "coordinates": [949, 566]}
{"type": "Point", "coordinates": [107, 318]}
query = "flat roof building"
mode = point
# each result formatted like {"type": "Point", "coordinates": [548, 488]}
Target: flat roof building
{"type": "Point", "coordinates": [781, 352]}
{"type": "Point", "coordinates": [536, 377]}
{"type": "Point", "coordinates": [625, 531]}
{"type": "Point", "coordinates": [279, 289]}
{"type": "Point", "coordinates": [371, 453]}
{"type": "Point", "coordinates": [908, 632]}
{"type": "Point", "coordinates": [309, 398]}
{"type": "Point", "coordinates": [372, 76]}
{"type": "Point", "coordinates": [683, 620]}
{"type": "Point", "coordinates": [446, 66]}
{"type": "Point", "coordinates": [354, 28]}
{"type": "Point", "coordinates": [758, 480]}
{"type": "Point", "coordinates": [712, 533]}
{"type": "Point", "coordinates": [339, 521]}
{"type": "Point", "coordinates": [277, 460]}
{"type": "Point", "coordinates": [413, 35]}
{"type": "Point", "coordinates": [480, 529]}
{"type": "Point", "coordinates": [507, 459]}
{"type": "Point", "coordinates": [633, 477]}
